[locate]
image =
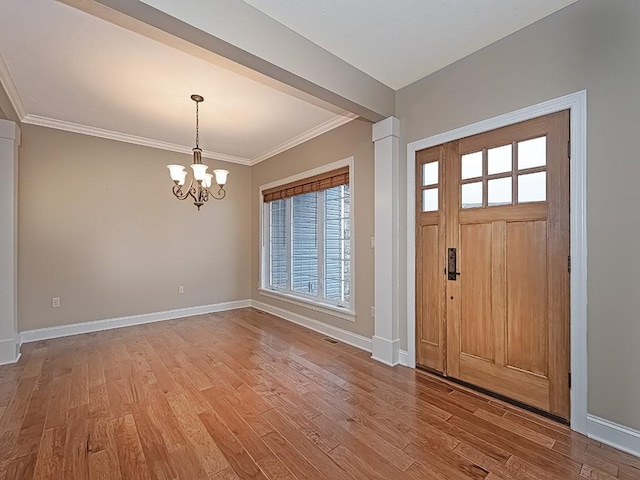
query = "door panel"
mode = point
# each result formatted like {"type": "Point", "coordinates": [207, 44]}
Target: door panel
{"type": "Point", "coordinates": [510, 382]}
{"type": "Point", "coordinates": [431, 279]}
{"type": "Point", "coordinates": [527, 296]}
{"type": "Point", "coordinates": [430, 331]}
{"type": "Point", "coordinates": [476, 316]}
{"type": "Point", "coordinates": [504, 206]}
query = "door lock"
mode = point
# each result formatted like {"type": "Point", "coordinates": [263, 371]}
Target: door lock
{"type": "Point", "coordinates": [452, 264]}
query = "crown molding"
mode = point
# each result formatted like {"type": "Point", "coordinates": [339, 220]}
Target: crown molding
{"type": "Point", "coordinates": [10, 87]}
{"type": "Point", "coordinates": [124, 137]}
{"type": "Point", "coordinates": [305, 136]}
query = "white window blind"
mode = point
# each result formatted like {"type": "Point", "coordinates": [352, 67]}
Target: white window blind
{"type": "Point", "coordinates": [308, 242]}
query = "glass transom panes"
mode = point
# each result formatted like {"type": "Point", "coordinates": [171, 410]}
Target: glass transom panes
{"type": "Point", "coordinates": [472, 195]}
{"type": "Point", "coordinates": [532, 187]}
{"type": "Point", "coordinates": [499, 159]}
{"type": "Point", "coordinates": [430, 173]}
{"type": "Point", "coordinates": [499, 191]}
{"type": "Point", "coordinates": [430, 200]}
{"type": "Point", "coordinates": [532, 153]}
{"type": "Point", "coordinates": [471, 165]}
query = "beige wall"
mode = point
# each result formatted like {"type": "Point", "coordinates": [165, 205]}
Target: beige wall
{"type": "Point", "coordinates": [591, 45]}
{"type": "Point", "coordinates": [352, 139]}
{"type": "Point", "coordinates": [100, 228]}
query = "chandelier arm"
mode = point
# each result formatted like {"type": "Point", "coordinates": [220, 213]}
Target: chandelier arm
{"type": "Point", "coordinates": [220, 195]}
{"type": "Point", "coordinates": [180, 194]}
{"type": "Point", "coordinates": [193, 191]}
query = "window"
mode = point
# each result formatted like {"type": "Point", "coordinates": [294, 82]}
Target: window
{"type": "Point", "coordinates": [505, 175]}
{"type": "Point", "coordinates": [307, 244]}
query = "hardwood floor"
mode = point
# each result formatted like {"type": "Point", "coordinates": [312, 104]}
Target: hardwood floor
{"type": "Point", "coordinates": [242, 394]}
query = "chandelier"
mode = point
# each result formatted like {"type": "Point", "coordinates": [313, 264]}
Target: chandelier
{"type": "Point", "coordinates": [199, 187]}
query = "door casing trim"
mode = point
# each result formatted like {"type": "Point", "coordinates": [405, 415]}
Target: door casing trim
{"type": "Point", "coordinates": [577, 104]}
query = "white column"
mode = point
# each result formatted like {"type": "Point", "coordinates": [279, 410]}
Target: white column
{"type": "Point", "coordinates": [9, 338]}
{"type": "Point", "coordinates": [386, 342]}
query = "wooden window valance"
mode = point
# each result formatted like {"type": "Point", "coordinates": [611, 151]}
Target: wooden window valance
{"type": "Point", "coordinates": [323, 181]}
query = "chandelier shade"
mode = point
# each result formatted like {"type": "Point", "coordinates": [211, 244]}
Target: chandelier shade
{"type": "Point", "coordinates": [199, 187]}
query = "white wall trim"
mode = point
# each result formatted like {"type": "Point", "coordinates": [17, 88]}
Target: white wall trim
{"type": "Point", "coordinates": [6, 80]}
{"type": "Point", "coordinates": [613, 434]}
{"type": "Point", "coordinates": [334, 311]}
{"type": "Point", "coordinates": [9, 351]}
{"type": "Point", "coordinates": [9, 338]}
{"type": "Point", "coordinates": [404, 358]}
{"type": "Point", "coordinates": [339, 334]}
{"type": "Point", "coordinates": [577, 103]}
{"type": "Point", "coordinates": [387, 297]}
{"type": "Point", "coordinates": [41, 121]}
{"type": "Point", "coordinates": [111, 323]}
{"type": "Point", "coordinates": [314, 132]}
{"type": "Point", "coordinates": [386, 351]}
{"type": "Point", "coordinates": [10, 130]}
{"type": "Point", "coordinates": [125, 137]}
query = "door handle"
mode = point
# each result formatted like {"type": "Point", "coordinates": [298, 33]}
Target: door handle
{"type": "Point", "coordinates": [452, 264]}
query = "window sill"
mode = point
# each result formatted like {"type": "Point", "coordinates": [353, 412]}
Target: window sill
{"type": "Point", "coordinates": [334, 311]}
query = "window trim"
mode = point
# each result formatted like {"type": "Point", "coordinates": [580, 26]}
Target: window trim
{"type": "Point", "coordinates": [316, 304]}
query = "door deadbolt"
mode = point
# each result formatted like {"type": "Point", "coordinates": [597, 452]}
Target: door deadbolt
{"type": "Point", "coordinates": [452, 264]}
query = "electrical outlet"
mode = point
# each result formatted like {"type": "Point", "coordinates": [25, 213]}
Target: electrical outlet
{"type": "Point", "coordinates": [373, 242]}
{"type": "Point", "coordinates": [55, 302]}
{"type": "Point", "coordinates": [373, 312]}
{"type": "Point", "coordinates": [181, 289]}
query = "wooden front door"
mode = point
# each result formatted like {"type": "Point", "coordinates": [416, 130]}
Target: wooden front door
{"type": "Point", "coordinates": [492, 261]}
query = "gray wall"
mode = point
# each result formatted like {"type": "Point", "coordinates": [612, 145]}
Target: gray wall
{"type": "Point", "coordinates": [592, 45]}
{"type": "Point", "coordinates": [352, 139]}
{"type": "Point", "coordinates": [100, 228]}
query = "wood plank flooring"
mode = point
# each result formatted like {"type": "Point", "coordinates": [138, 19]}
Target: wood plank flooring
{"type": "Point", "coordinates": [245, 395]}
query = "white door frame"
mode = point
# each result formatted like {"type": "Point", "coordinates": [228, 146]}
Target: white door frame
{"type": "Point", "coordinates": [577, 104]}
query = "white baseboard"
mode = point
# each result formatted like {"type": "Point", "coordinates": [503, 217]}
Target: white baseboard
{"type": "Point", "coordinates": [404, 358]}
{"type": "Point", "coordinates": [613, 434]}
{"type": "Point", "coordinates": [108, 324]}
{"type": "Point", "coordinates": [9, 351]}
{"type": "Point", "coordinates": [339, 334]}
{"type": "Point", "coordinates": [386, 351]}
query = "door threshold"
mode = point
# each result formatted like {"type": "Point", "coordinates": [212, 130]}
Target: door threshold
{"type": "Point", "coordinates": [491, 394]}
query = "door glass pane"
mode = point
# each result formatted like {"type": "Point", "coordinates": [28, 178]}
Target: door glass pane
{"type": "Point", "coordinates": [472, 195]}
{"type": "Point", "coordinates": [500, 191]}
{"type": "Point", "coordinates": [499, 160]}
{"type": "Point", "coordinates": [472, 165]}
{"type": "Point", "coordinates": [532, 187]}
{"type": "Point", "coordinates": [430, 200]}
{"type": "Point", "coordinates": [532, 153]}
{"type": "Point", "coordinates": [430, 173]}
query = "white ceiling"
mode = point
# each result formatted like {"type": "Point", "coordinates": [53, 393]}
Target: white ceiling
{"type": "Point", "coordinates": [70, 66]}
{"type": "Point", "coordinates": [68, 69]}
{"type": "Point", "coordinates": [400, 41]}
